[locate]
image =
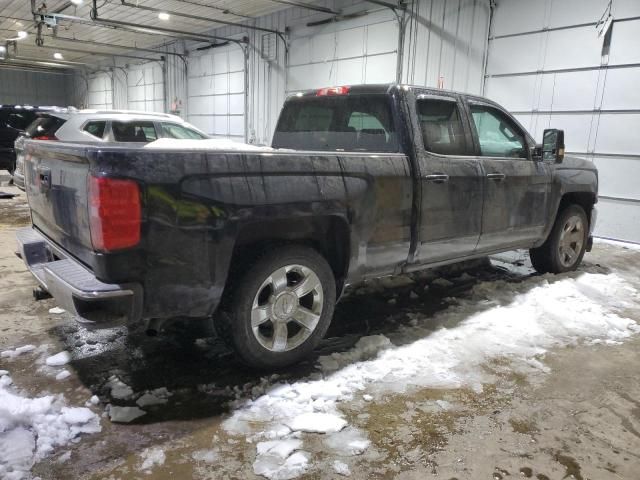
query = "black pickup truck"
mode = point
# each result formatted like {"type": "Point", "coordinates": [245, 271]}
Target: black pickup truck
{"type": "Point", "coordinates": [361, 182]}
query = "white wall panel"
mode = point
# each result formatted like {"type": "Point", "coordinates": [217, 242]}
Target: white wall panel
{"type": "Point", "coordinates": [145, 87]}
{"type": "Point", "coordinates": [588, 92]}
{"type": "Point", "coordinates": [618, 133]}
{"type": "Point", "coordinates": [100, 92]}
{"type": "Point", "coordinates": [618, 219]}
{"type": "Point", "coordinates": [216, 91]}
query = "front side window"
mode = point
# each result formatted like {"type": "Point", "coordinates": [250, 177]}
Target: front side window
{"type": "Point", "coordinates": [173, 130]}
{"type": "Point", "coordinates": [441, 127]}
{"type": "Point", "coordinates": [341, 123]}
{"type": "Point", "coordinates": [142, 132]}
{"type": "Point", "coordinates": [95, 128]}
{"type": "Point", "coordinates": [497, 134]}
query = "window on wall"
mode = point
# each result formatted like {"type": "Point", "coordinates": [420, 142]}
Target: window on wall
{"type": "Point", "coordinates": [441, 127]}
{"type": "Point", "coordinates": [497, 134]}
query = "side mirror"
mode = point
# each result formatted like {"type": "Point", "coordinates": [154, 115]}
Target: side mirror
{"type": "Point", "coordinates": [553, 145]}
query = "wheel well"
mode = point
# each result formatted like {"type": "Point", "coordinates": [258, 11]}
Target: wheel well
{"type": "Point", "coordinates": [329, 235]}
{"type": "Point", "coordinates": [585, 199]}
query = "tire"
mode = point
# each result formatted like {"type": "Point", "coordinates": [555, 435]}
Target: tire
{"type": "Point", "coordinates": [564, 248]}
{"type": "Point", "coordinates": [270, 304]}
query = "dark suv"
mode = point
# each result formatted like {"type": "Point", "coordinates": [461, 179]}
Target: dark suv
{"type": "Point", "coordinates": [14, 120]}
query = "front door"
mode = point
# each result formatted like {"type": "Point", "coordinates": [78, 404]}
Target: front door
{"type": "Point", "coordinates": [516, 187]}
{"type": "Point", "coordinates": [450, 181]}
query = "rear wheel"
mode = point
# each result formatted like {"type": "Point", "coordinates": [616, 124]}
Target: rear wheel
{"type": "Point", "coordinates": [280, 308]}
{"type": "Point", "coordinates": [567, 242]}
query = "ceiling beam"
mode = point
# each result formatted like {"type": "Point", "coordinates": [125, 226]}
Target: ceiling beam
{"type": "Point", "coordinates": [100, 54]}
{"type": "Point", "coordinates": [315, 8]}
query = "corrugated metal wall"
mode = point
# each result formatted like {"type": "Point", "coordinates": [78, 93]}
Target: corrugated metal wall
{"type": "Point", "coordinates": [445, 44]}
{"type": "Point", "coordinates": [547, 64]}
{"type": "Point", "coordinates": [34, 87]}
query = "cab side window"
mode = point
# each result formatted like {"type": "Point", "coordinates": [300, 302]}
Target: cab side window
{"type": "Point", "coordinates": [95, 128]}
{"type": "Point", "coordinates": [441, 127]}
{"type": "Point", "coordinates": [142, 132]}
{"type": "Point", "coordinates": [497, 134]}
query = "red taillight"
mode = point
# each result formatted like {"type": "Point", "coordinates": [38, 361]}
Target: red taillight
{"type": "Point", "coordinates": [45, 137]}
{"type": "Point", "coordinates": [331, 91]}
{"type": "Point", "coordinates": [114, 213]}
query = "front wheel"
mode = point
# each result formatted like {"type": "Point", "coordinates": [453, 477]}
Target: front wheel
{"type": "Point", "coordinates": [280, 308]}
{"type": "Point", "coordinates": [567, 242]}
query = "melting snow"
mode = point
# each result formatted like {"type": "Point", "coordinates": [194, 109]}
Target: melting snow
{"type": "Point", "coordinates": [56, 310]}
{"type": "Point", "coordinates": [30, 428]}
{"type": "Point", "coordinates": [124, 414]}
{"type": "Point", "coordinates": [341, 468]}
{"type": "Point", "coordinates": [64, 374]}
{"type": "Point", "coordinates": [151, 457]}
{"type": "Point", "coordinates": [18, 351]}
{"type": "Point", "coordinates": [222, 144]}
{"type": "Point", "coordinates": [58, 359]}
{"type": "Point", "coordinates": [519, 321]}
{"type": "Point", "coordinates": [119, 390]}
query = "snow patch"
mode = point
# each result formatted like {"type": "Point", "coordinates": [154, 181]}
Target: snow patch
{"type": "Point", "coordinates": [18, 351]}
{"type": "Point", "coordinates": [151, 457]}
{"type": "Point", "coordinates": [56, 310]}
{"type": "Point", "coordinates": [276, 461]}
{"type": "Point", "coordinates": [31, 428]}
{"type": "Point", "coordinates": [206, 456]}
{"type": "Point", "coordinates": [221, 144]}
{"type": "Point", "coordinates": [58, 359]}
{"type": "Point", "coordinates": [519, 321]}
{"type": "Point", "coordinates": [341, 468]}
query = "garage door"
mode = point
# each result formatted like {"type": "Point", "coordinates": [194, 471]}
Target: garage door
{"type": "Point", "coordinates": [216, 92]}
{"type": "Point", "coordinates": [362, 50]}
{"type": "Point", "coordinates": [145, 87]}
{"type": "Point", "coordinates": [99, 94]}
{"type": "Point", "coordinates": [548, 66]}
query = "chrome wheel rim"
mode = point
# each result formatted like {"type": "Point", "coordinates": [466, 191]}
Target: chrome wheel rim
{"type": "Point", "coordinates": [287, 308]}
{"type": "Point", "coordinates": [571, 241]}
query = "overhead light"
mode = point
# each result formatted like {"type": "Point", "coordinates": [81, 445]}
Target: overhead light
{"type": "Point", "coordinates": [3, 49]}
{"type": "Point", "coordinates": [164, 16]}
{"type": "Point", "coordinates": [22, 34]}
{"type": "Point", "coordinates": [58, 56]}
{"type": "Point", "coordinates": [77, 2]}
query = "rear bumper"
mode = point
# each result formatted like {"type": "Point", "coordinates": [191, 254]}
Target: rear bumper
{"type": "Point", "coordinates": [75, 288]}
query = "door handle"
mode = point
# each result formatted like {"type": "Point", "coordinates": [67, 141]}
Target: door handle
{"type": "Point", "coordinates": [498, 177]}
{"type": "Point", "coordinates": [437, 178]}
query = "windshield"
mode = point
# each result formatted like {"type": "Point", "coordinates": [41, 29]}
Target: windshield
{"type": "Point", "coordinates": [343, 123]}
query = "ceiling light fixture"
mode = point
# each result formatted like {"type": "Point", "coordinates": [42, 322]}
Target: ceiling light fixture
{"type": "Point", "coordinates": [22, 34]}
{"type": "Point", "coordinates": [77, 2]}
{"type": "Point", "coordinates": [164, 16]}
{"type": "Point", "coordinates": [58, 56]}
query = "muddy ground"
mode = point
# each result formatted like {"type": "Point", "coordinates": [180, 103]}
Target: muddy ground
{"type": "Point", "coordinates": [580, 419]}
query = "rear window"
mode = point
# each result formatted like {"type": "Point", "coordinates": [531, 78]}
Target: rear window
{"type": "Point", "coordinates": [134, 132]}
{"type": "Point", "coordinates": [44, 126]}
{"type": "Point", "coordinates": [20, 120]}
{"type": "Point", "coordinates": [173, 130]}
{"type": "Point", "coordinates": [343, 123]}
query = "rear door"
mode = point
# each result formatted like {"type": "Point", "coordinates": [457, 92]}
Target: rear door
{"type": "Point", "coordinates": [450, 180]}
{"type": "Point", "coordinates": [516, 187]}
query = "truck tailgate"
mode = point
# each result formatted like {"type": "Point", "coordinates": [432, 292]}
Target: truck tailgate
{"type": "Point", "coordinates": [56, 185]}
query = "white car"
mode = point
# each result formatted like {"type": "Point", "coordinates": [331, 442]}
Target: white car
{"type": "Point", "coordinates": [103, 126]}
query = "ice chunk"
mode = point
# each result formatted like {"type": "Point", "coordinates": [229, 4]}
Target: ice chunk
{"type": "Point", "coordinates": [63, 375]}
{"type": "Point", "coordinates": [341, 468]}
{"type": "Point", "coordinates": [206, 456]}
{"type": "Point", "coordinates": [149, 399]}
{"type": "Point", "coordinates": [275, 468]}
{"type": "Point", "coordinates": [30, 428]}
{"type": "Point", "coordinates": [280, 448]}
{"type": "Point", "coordinates": [56, 310]}
{"type": "Point", "coordinates": [124, 414]}
{"type": "Point", "coordinates": [118, 389]}
{"type": "Point", "coordinates": [317, 422]}
{"type": "Point", "coordinates": [348, 442]}
{"type": "Point", "coordinates": [152, 457]}
{"type": "Point", "coordinates": [18, 351]}
{"type": "Point", "coordinates": [58, 359]}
